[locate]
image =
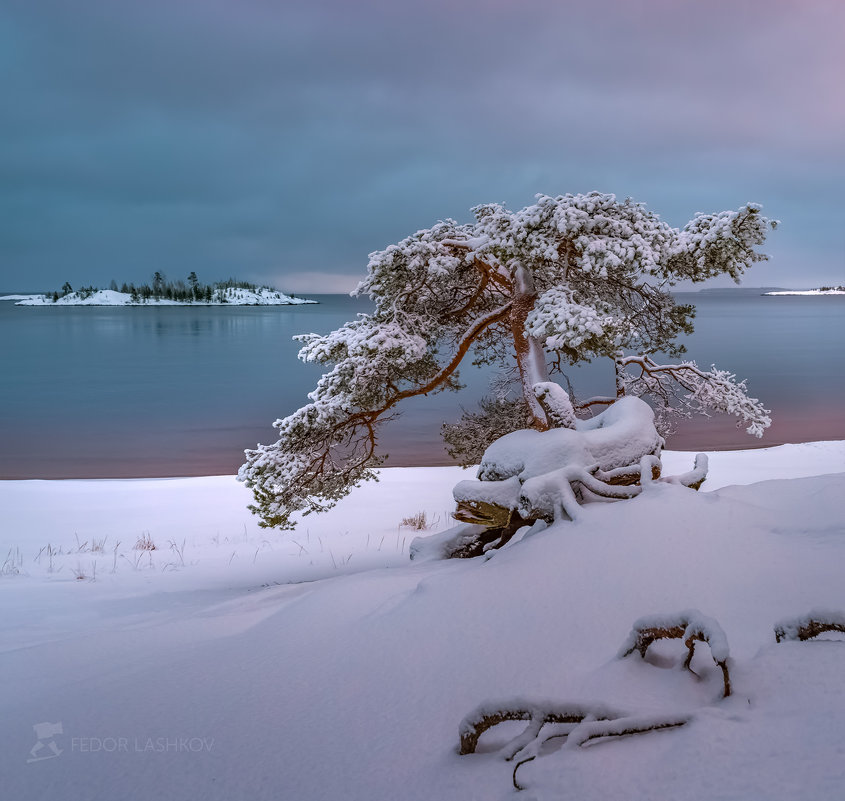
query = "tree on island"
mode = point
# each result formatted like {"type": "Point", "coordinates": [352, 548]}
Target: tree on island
{"type": "Point", "coordinates": [194, 283]}
{"type": "Point", "coordinates": [562, 281]}
{"type": "Point", "coordinates": [158, 284]}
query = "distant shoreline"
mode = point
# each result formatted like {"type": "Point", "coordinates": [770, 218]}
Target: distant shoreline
{"type": "Point", "coordinates": [808, 292]}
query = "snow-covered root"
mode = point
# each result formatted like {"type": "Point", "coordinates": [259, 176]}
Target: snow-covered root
{"type": "Point", "coordinates": [551, 496]}
{"type": "Point", "coordinates": [457, 541]}
{"type": "Point", "coordinates": [579, 723]}
{"type": "Point", "coordinates": [632, 474]}
{"type": "Point", "coordinates": [690, 626]}
{"type": "Point", "coordinates": [558, 494]}
{"type": "Point", "coordinates": [487, 503]}
{"type": "Point", "coordinates": [561, 491]}
{"type": "Point", "coordinates": [621, 727]}
{"type": "Point", "coordinates": [546, 474]}
{"type": "Point", "coordinates": [531, 475]}
{"type": "Point", "coordinates": [538, 713]}
{"type": "Point", "coordinates": [810, 625]}
{"type": "Point", "coordinates": [693, 478]}
{"type": "Point", "coordinates": [589, 730]}
{"type": "Point", "coordinates": [467, 540]}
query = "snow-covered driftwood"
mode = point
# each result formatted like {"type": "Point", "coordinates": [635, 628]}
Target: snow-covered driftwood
{"type": "Point", "coordinates": [810, 625]}
{"type": "Point", "coordinates": [690, 626]}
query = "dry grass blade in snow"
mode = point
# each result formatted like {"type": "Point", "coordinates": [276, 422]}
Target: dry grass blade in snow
{"type": "Point", "coordinates": [418, 522]}
{"type": "Point", "coordinates": [145, 542]}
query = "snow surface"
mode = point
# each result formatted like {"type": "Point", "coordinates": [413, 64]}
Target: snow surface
{"type": "Point", "coordinates": [235, 662]}
{"type": "Point", "coordinates": [108, 297]}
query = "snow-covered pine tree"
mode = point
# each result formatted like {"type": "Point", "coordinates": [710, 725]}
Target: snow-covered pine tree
{"type": "Point", "coordinates": [566, 279]}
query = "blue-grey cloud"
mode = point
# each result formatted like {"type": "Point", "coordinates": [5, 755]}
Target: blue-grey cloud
{"type": "Point", "coordinates": [264, 139]}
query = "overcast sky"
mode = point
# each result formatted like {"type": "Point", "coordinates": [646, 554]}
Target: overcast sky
{"type": "Point", "coordinates": [283, 141]}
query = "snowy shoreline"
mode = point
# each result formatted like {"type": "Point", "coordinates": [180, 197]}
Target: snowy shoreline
{"type": "Point", "coordinates": [196, 503]}
{"type": "Point", "coordinates": [322, 663]}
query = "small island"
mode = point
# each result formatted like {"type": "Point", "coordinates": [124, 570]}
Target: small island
{"type": "Point", "coordinates": [822, 290]}
{"type": "Point", "coordinates": [164, 293]}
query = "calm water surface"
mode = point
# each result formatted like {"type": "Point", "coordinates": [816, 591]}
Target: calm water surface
{"type": "Point", "coordinates": [126, 392]}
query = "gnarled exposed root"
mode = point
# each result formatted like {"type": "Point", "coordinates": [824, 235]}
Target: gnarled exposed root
{"type": "Point", "coordinates": [579, 723]}
{"type": "Point", "coordinates": [622, 727]}
{"type": "Point", "coordinates": [628, 475]}
{"type": "Point", "coordinates": [596, 729]}
{"type": "Point", "coordinates": [558, 494]}
{"type": "Point", "coordinates": [811, 625]}
{"type": "Point", "coordinates": [500, 525]}
{"type": "Point", "coordinates": [537, 713]}
{"type": "Point", "coordinates": [483, 513]}
{"type": "Point", "coordinates": [691, 627]}
{"type": "Point", "coordinates": [548, 475]}
{"type": "Point", "coordinates": [693, 478]}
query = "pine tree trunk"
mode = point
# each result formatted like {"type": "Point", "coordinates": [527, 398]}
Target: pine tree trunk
{"type": "Point", "coordinates": [529, 353]}
{"type": "Point", "coordinates": [620, 385]}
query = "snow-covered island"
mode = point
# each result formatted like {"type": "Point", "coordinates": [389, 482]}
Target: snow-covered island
{"type": "Point", "coordinates": [824, 290]}
{"type": "Point", "coordinates": [231, 296]}
{"type": "Point", "coordinates": [162, 292]}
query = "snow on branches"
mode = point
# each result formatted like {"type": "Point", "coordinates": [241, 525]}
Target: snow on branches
{"type": "Point", "coordinates": [714, 244]}
{"type": "Point", "coordinates": [562, 324]}
{"type": "Point", "coordinates": [566, 279]}
{"type": "Point", "coordinates": [710, 390]}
